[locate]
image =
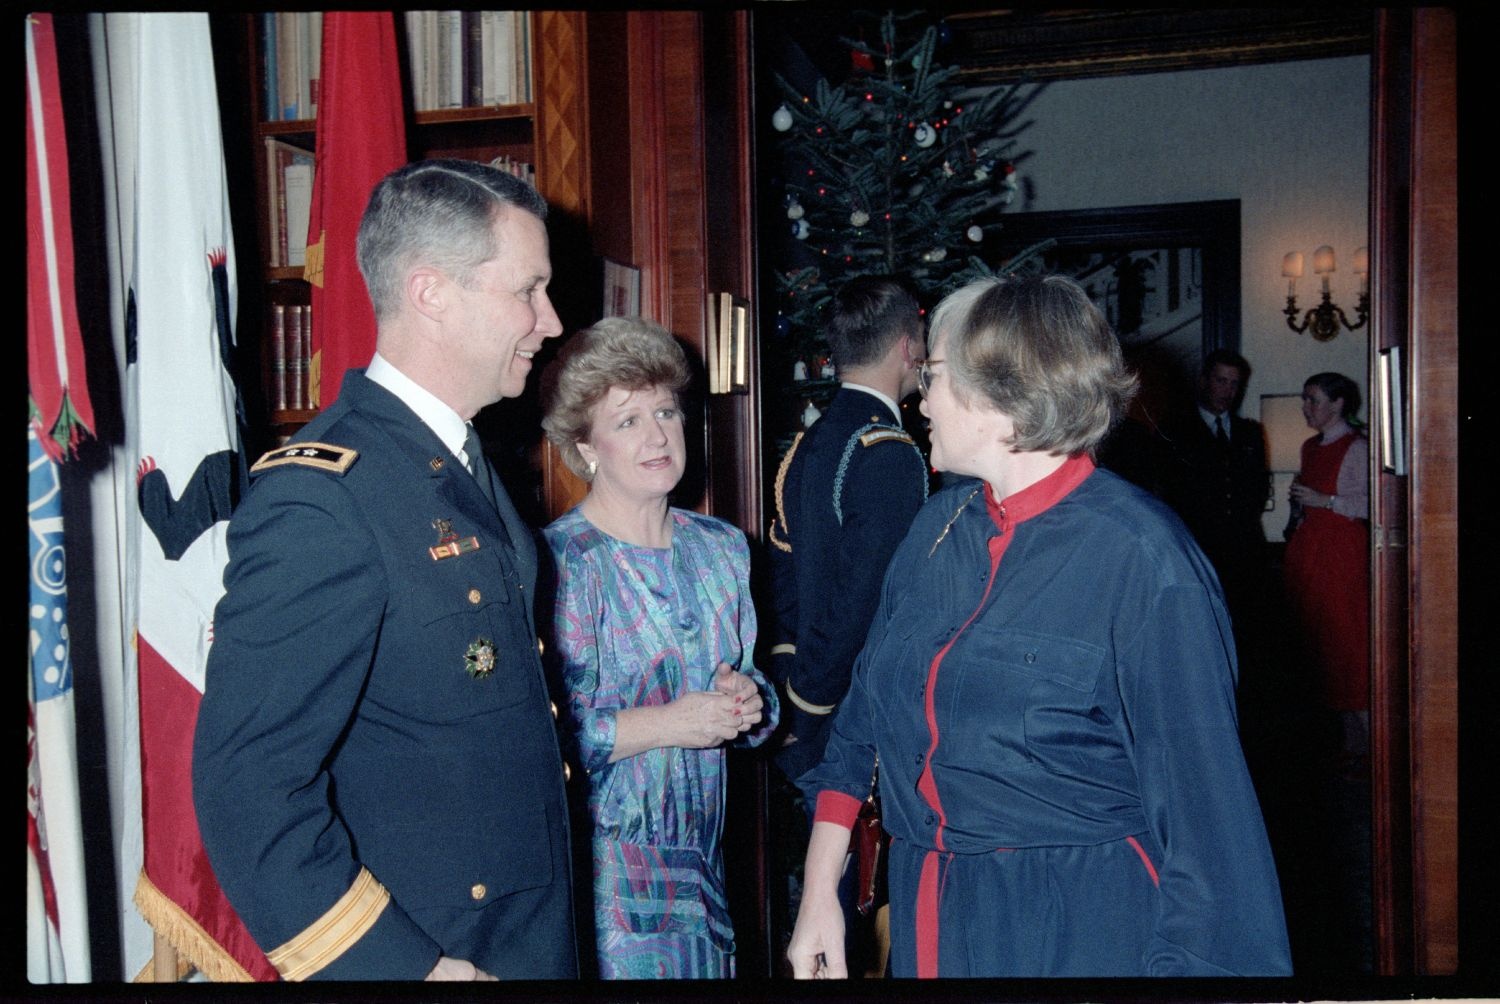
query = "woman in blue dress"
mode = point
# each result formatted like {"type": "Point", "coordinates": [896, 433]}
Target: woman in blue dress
{"type": "Point", "coordinates": [1049, 688]}
{"type": "Point", "coordinates": [651, 640]}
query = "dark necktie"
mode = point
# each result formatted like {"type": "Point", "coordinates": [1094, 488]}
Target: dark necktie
{"type": "Point", "coordinates": [480, 467]}
{"type": "Point", "coordinates": [1219, 433]}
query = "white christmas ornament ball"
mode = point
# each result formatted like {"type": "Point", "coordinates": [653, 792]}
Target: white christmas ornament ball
{"type": "Point", "coordinates": [974, 234]}
{"type": "Point", "coordinates": [794, 211]}
{"type": "Point", "coordinates": [781, 118]}
{"type": "Point", "coordinates": [859, 218]}
{"type": "Point", "coordinates": [800, 230]}
{"type": "Point", "coordinates": [925, 135]}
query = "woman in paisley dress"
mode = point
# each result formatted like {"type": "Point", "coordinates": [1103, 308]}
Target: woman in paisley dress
{"type": "Point", "coordinates": [652, 635]}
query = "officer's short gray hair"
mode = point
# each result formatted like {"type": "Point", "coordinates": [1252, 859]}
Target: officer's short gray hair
{"type": "Point", "coordinates": [1037, 350]}
{"type": "Point", "coordinates": [437, 212]}
{"type": "Point", "coordinates": [627, 352]}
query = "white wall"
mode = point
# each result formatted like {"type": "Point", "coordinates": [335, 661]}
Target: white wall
{"type": "Point", "coordinates": [1289, 140]}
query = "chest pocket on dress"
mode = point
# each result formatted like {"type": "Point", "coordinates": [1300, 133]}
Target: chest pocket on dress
{"type": "Point", "coordinates": [1020, 694]}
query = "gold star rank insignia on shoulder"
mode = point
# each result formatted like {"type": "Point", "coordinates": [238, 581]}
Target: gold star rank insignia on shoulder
{"type": "Point", "coordinates": [479, 660]}
{"type": "Point", "coordinates": [449, 545]}
{"type": "Point", "coordinates": [323, 456]}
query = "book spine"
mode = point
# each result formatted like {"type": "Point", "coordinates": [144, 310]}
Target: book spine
{"type": "Point", "coordinates": [283, 159]}
{"type": "Point", "coordinates": [304, 65]}
{"type": "Point", "coordinates": [316, 76]}
{"type": "Point", "coordinates": [473, 67]}
{"type": "Point", "coordinates": [450, 58]}
{"type": "Point", "coordinates": [273, 185]}
{"type": "Point", "coordinates": [278, 357]}
{"type": "Point", "coordinates": [415, 57]}
{"type": "Point", "coordinates": [295, 374]}
{"type": "Point", "coordinates": [286, 61]}
{"type": "Point", "coordinates": [305, 349]}
{"type": "Point", "coordinates": [271, 109]}
{"type": "Point", "coordinates": [524, 18]}
{"type": "Point", "coordinates": [297, 184]}
{"type": "Point", "coordinates": [488, 91]}
{"type": "Point", "coordinates": [430, 47]}
{"type": "Point", "coordinates": [505, 57]}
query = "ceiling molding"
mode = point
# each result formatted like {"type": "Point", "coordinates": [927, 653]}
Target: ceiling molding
{"type": "Point", "coordinates": [1000, 46]}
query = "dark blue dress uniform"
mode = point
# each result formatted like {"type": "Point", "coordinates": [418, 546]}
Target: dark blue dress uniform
{"type": "Point", "coordinates": [1049, 684]}
{"type": "Point", "coordinates": [844, 498]}
{"type": "Point", "coordinates": [376, 767]}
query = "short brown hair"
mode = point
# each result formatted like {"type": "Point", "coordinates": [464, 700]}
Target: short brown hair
{"type": "Point", "coordinates": [1037, 350]}
{"type": "Point", "coordinates": [627, 352]}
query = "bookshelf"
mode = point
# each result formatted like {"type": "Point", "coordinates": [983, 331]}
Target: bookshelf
{"type": "Point", "coordinates": [275, 94]}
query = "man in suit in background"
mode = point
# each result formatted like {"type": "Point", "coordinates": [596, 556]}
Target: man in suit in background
{"type": "Point", "coordinates": [376, 769]}
{"type": "Point", "coordinates": [1214, 474]}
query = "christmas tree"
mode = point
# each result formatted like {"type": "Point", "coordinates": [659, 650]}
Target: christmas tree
{"type": "Point", "coordinates": [897, 170]}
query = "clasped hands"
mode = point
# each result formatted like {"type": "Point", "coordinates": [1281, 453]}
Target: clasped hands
{"type": "Point", "coordinates": [710, 717]}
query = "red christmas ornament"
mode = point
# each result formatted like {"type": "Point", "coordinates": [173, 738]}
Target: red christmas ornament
{"type": "Point", "coordinates": [861, 61]}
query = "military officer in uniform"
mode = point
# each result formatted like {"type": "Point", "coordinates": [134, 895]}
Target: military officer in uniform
{"type": "Point", "coordinates": [845, 495]}
{"type": "Point", "coordinates": [376, 768]}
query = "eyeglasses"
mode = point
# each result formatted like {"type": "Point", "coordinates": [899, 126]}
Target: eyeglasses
{"type": "Point", "coordinates": [924, 375]}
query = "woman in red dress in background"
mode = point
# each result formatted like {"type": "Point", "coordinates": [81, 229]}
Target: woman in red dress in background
{"type": "Point", "coordinates": [1328, 555]}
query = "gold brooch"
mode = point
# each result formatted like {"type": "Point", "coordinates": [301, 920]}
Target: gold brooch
{"type": "Point", "coordinates": [479, 660]}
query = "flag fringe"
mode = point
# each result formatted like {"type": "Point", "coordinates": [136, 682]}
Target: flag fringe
{"type": "Point", "coordinates": [186, 935]}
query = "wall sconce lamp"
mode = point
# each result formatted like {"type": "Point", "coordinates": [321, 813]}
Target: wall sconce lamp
{"type": "Point", "coordinates": [1324, 319]}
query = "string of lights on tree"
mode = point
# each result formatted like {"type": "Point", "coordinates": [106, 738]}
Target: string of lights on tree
{"type": "Point", "coordinates": [894, 171]}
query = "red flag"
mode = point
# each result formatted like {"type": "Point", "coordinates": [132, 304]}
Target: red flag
{"type": "Point", "coordinates": [54, 346]}
{"type": "Point", "coordinates": [361, 138]}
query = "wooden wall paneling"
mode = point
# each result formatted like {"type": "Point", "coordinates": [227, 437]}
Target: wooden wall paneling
{"type": "Point", "coordinates": [561, 99]}
{"type": "Point", "coordinates": [1434, 464]}
{"type": "Point", "coordinates": [647, 157]}
{"type": "Point", "coordinates": [1414, 712]}
{"type": "Point", "coordinates": [734, 427]}
{"type": "Point", "coordinates": [1390, 703]}
{"type": "Point", "coordinates": [561, 82]}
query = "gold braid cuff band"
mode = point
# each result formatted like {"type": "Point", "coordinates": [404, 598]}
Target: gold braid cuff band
{"type": "Point", "coordinates": [332, 934]}
{"type": "Point", "coordinates": [811, 709]}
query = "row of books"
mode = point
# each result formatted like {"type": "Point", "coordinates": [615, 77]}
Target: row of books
{"type": "Point", "coordinates": [292, 46]}
{"type": "Point", "coordinates": [468, 59]}
{"type": "Point", "coordinates": [289, 184]}
{"type": "Point", "coordinates": [520, 168]}
{"type": "Point", "coordinates": [291, 355]}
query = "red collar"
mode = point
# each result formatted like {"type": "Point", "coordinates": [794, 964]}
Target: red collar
{"type": "Point", "coordinates": [1039, 497]}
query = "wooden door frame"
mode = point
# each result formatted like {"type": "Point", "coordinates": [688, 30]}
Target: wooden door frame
{"type": "Point", "coordinates": [1414, 525]}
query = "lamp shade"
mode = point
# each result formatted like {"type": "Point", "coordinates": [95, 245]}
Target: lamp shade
{"type": "Point", "coordinates": [1323, 260]}
{"type": "Point", "coordinates": [1286, 430]}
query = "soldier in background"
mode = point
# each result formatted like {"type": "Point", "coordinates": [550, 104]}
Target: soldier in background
{"type": "Point", "coordinates": [846, 494]}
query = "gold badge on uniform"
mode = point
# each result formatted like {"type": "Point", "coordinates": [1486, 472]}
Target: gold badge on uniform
{"type": "Point", "coordinates": [448, 545]}
{"type": "Point", "coordinates": [479, 660]}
